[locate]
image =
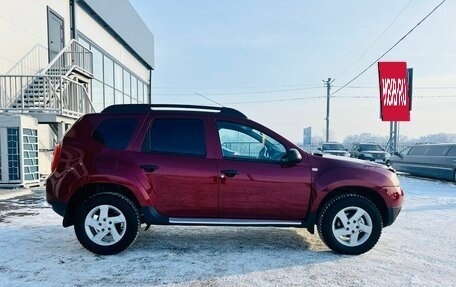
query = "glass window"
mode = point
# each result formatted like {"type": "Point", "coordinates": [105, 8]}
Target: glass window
{"type": "Point", "coordinates": [176, 136]}
{"type": "Point", "coordinates": [118, 78]}
{"type": "Point", "coordinates": [242, 142]}
{"type": "Point", "coordinates": [146, 94]}
{"type": "Point", "coordinates": [115, 133]}
{"type": "Point", "coordinates": [452, 152]}
{"type": "Point", "coordinates": [369, 147]}
{"type": "Point", "coordinates": [108, 71]}
{"type": "Point", "coordinates": [134, 90]}
{"type": "Point", "coordinates": [97, 64]}
{"type": "Point", "coordinates": [126, 90]}
{"type": "Point", "coordinates": [84, 43]}
{"type": "Point", "coordinates": [438, 150]}
{"type": "Point", "coordinates": [140, 92]}
{"type": "Point", "coordinates": [119, 97]}
{"type": "Point", "coordinates": [419, 150]}
{"type": "Point", "coordinates": [109, 96]}
{"type": "Point", "coordinates": [97, 96]}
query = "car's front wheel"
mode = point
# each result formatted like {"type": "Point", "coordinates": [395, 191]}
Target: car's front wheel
{"type": "Point", "coordinates": [350, 224]}
{"type": "Point", "coordinates": [107, 223]}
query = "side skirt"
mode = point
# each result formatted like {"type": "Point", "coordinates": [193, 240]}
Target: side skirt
{"type": "Point", "coordinates": [153, 217]}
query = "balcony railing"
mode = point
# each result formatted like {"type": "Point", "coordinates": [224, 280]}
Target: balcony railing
{"type": "Point", "coordinates": [58, 95]}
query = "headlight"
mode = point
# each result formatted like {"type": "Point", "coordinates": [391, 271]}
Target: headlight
{"type": "Point", "coordinates": [347, 154]}
{"type": "Point", "coordinates": [387, 155]}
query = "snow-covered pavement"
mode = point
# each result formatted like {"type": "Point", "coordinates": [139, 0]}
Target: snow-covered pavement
{"type": "Point", "coordinates": [419, 249]}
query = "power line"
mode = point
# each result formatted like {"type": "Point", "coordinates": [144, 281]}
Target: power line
{"type": "Point", "coordinates": [335, 86]}
{"type": "Point", "coordinates": [245, 93]}
{"type": "Point", "coordinates": [276, 100]}
{"type": "Point", "coordinates": [207, 98]}
{"type": "Point", "coordinates": [335, 97]}
{"type": "Point", "coordinates": [306, 85]}
{"type": "Point", "coordinates": [376, 40]}
{"type": "Point", "coordinates": [400, 40]}
{"type": "Point", "coordinates": [415, 88]}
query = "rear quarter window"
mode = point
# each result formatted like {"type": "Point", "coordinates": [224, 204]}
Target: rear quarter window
{"type": "Point", "coordinates": [115, 133]}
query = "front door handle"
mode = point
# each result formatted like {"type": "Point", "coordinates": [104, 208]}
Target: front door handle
{"type": "Point", "coordinates": [149, 167]}
{"type": "Point", "coordinates": [229, 172]}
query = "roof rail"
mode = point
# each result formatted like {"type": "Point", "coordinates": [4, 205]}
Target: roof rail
{"type": "Point", "coordinates": [145, 108]}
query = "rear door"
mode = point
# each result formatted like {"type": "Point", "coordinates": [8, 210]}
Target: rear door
{"type": "Point", "coordinates": [254, 183]}
{"type": "Point", "coordinates": [175, 165]}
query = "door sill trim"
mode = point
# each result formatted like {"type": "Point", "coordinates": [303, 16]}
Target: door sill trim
{"type": "Point", "coordinates": [227, 221]}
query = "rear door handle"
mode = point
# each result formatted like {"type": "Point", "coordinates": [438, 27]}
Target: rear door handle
{"type": "Point", "coordinates": [149, 167]}
{"type": "Point", "coordinates": [229, 172]}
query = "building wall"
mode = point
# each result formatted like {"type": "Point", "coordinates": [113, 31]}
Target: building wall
{"type": "Point", "coordinates": [24, 38]}
{"type": "Point", "coordinates": [91, 29]}
{"type": "Point", "coordinates": [24, 50]}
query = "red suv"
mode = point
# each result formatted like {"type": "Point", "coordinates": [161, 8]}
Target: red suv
{"type": "Point", "coordinates": [195, 165]}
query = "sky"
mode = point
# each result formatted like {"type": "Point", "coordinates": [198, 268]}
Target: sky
{"type": "Point", "coordinates": [268, 59]}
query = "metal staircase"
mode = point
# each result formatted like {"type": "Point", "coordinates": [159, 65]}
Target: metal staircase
{"type": "Point", "coordinates": [59, 93]}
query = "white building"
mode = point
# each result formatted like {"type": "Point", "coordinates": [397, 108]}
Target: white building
{"type": "Point", "coordinates": [61, 59]}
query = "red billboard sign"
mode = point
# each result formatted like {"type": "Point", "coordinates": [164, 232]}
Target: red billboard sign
{"type": "Point", "coordinates": [394, 99]}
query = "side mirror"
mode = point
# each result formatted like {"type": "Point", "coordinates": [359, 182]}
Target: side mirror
{"type": "Point", "coordinates": [293, 156]}
{"type": "Point", "coordinates": [319, 148]}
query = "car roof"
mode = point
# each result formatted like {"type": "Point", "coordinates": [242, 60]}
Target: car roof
{"type": "Point", "coordinates": [171, 108]}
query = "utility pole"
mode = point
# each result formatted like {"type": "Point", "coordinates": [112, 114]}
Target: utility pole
{"type": "Point", "coordinates": [328, 95]}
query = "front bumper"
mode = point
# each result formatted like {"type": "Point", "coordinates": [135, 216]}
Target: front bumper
{"type": "Point", "coordinates": [395, 200]}
{"type": "Point", "coordinates": [392, 214]}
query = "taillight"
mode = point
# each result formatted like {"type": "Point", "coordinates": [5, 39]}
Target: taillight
{"type": "Point", "coordinates": [56, 157]}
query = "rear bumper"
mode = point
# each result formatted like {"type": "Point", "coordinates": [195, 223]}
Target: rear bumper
{"type": "Point", "coordinates": [58, 206]}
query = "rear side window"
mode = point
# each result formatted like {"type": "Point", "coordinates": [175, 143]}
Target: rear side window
{"type": "Point", "coordinates": [438, 150]}
{"type": "Point", "coordinates": [176, 136]}
{"type": "Point", "coordinates": [452, 151]}
{"type": "Point", "coordinates": [419, 150]}
{"type": "Point", "coordinates": [115, 133]}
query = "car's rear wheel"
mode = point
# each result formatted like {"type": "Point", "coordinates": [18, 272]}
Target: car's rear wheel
{"type": "Point", "coordinates": [350, 224]}
{"type": "Point", "coordinates": [107, 223]}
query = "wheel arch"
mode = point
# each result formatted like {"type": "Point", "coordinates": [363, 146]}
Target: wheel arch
{"type": "Point", "coordinates": [366, 192]}
{"type": "Point", "coordinates": [86, 191]}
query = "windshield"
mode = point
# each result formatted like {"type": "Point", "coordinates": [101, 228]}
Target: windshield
{"type": "Point", "coordinates": [372, 147]}
{"type": "Point", "coordinates": [333, 147]}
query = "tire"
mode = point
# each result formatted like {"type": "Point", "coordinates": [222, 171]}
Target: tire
{"type": "Point", "coordinates": [107, 223]}
{"type": "Point", "coordinates": [349, 224]}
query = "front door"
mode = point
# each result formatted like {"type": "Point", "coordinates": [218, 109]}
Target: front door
{"type": "Point", "coordinates": [174, 165]}
{"type": "Point", "coordinates": [254, 182]}
{"type": "Point", "coordinates": [56, 34]}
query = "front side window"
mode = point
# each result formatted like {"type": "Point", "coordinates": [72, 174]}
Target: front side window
{"type": "Point", "coordinates": [242, 142]}
{"type": "Point", "coordinates": [176, 136]}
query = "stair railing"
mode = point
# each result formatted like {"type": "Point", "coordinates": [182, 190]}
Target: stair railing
{"type": "Point", "coordinates": [73, 54]}
{"type": "Point", "coordinates": [44, 94]}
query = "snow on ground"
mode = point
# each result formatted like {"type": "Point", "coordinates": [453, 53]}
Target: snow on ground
{"type": "Point", "coordinates": [417, 250]}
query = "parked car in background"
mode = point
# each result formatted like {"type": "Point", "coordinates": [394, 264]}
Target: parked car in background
{"type": "Point", "coordinates": [333, 148]}
{"type": "Point", "coordinates": [369, 151]}
{"type": "Point", "coordinates": [427, 160]}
